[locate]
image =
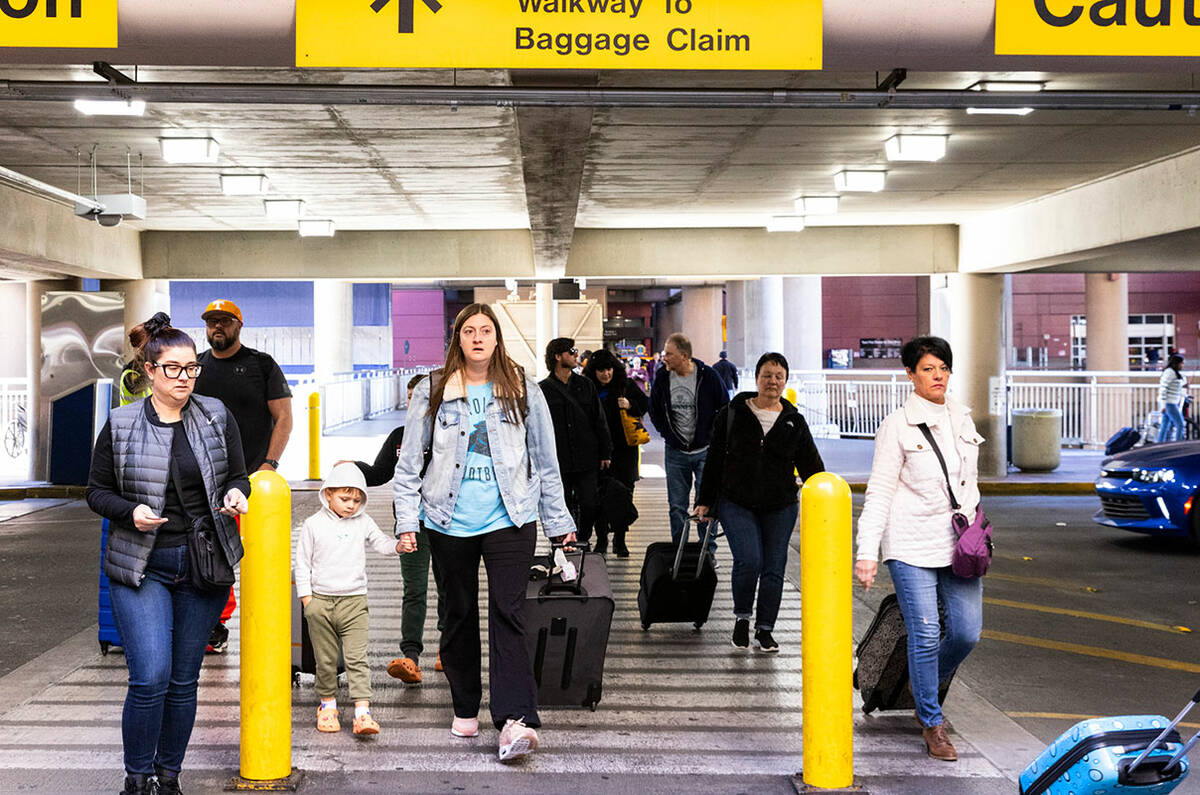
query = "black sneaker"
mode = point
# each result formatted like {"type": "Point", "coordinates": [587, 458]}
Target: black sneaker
{"type": "Point", "coordinates": [218, 640]}
{"type": "Point", "coordinates": [741, 634]}
{"type": "Point", "coordinates": [764, 642]}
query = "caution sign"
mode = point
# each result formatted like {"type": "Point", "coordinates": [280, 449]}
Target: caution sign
{"type": "Point", "coordinates": [1098, 27]}
{"type": "Point", "coordinates": [58, 23]}
{"type": "Point", "coordinates": [560, 34]}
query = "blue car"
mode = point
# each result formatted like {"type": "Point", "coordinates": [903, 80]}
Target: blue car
{"type": "Point", "coordinates": [1152, 489]}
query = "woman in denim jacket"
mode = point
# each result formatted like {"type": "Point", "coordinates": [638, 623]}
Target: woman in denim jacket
{"type": "Point", "coordinates": [493, 472]}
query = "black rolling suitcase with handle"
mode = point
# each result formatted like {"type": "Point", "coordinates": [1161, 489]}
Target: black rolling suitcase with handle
{"type": "Point", "coordinates": [882, 672]}
{"type": "Point", "coordinates": [566, 630]}
{"type": "Point", "coordinates": [678, 580]}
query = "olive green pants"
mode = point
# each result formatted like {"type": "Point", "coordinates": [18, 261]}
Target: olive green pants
{"type": "Point", "coordinates": [334, 621]}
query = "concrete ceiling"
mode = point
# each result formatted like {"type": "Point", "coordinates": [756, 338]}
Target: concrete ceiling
{"type": "Point", "coordinates": [437, 168]}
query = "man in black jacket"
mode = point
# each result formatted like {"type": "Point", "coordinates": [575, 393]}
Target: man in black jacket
{"type": "Point", "coordinates": [728, 372]}
{"type": "Point", "coordinates": [686, 396]}
{"type": "Point", "coordinates": [580, 432]}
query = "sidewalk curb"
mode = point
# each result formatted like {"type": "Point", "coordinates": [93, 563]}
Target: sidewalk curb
{"type": "Point", "coordinates": [26, 681]}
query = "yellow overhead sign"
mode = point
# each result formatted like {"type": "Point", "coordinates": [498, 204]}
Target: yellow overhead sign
{"type": "Point", "coordinates": [560, 34]}
{"type": "Point", "coordinates": [1098, 27]}
{"type": "Point", "coordinates": [58, 23]}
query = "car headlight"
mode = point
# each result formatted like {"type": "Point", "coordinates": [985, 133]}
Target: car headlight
{"type": "Point", "coordinates": [1154, 475]}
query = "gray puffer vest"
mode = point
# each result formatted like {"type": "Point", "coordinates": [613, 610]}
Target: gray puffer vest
{"type": "Point", "coordinates": [142, 462]}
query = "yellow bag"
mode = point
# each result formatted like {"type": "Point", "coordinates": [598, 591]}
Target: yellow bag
{"type": "Point", "coordinates": [635, 431]}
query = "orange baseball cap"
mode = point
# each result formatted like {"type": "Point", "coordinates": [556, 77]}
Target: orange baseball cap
{"type": "Point", "coordinates": [222, 305]}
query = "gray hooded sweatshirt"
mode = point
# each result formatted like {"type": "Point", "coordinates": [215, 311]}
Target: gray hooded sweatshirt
{"type": "Point", "coordinates": [331, 557]}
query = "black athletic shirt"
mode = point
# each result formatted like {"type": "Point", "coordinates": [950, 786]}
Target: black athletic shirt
{"type": "Point", "coordinates": [244, 383]}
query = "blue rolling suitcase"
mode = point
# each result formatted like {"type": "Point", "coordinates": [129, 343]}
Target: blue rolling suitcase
{"type": "Point", "coordinates": [107, 634]}
{"type": "Point", "coordinates": [1125, 754]}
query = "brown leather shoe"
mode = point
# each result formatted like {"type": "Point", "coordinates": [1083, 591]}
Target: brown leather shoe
{"type": "Point", "coordinates": [938, 743]}
{"type": "Point", "coordinates": [437, 664]}
{"type": "Point", "coordinates": [405, 670]}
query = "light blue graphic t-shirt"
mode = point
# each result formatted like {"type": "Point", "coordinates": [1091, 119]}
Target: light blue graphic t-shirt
{"type": "Point", "coordinates": [479, 508]}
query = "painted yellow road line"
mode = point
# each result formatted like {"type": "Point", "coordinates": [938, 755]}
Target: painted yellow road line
{"type": "Point", "coordinates": [1049, 582]}
{"type": "Point", "coordinates": [1062, 611]}
{"type": "Point", "coordinates": [1077, 718]}
{"type": "Point", "coordinates": [1093, 651]}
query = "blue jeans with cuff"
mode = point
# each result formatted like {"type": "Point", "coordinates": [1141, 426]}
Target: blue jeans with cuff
{"type": "Point", "coordinates": [933, 659]}
{"type": "Point", "coordinates": [759, 543]}
{"type": "Point", "coordinates": [1171, 428]}
{"type": "Point", "coordinates": [683, 471]}
{"type": "Point", "coordinates": [164, 626]}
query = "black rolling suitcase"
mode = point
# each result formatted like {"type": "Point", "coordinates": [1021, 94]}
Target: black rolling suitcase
{"type": "Point", "coordinates": [566, 630]}
{"type": "Point", "coordinates": [882, 671]}
{"type": "Point", "coordinates": [678, 581]}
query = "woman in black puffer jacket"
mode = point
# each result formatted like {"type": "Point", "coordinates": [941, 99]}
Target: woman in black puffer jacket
{"type": "Point", "coordinates": [759, 442]}
{"type": "Point", "coordinates": [617, 392]}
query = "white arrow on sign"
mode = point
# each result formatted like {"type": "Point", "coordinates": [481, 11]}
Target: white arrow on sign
{"type": "Point", "coordinates": [406, 11]}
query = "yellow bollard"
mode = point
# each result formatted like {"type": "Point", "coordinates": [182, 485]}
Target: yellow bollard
{"type": "Point", "coordinates": [826, 655]}
{"type": "Point", "coordinates": [266, 632]}
{"type": "Point", "coordinates": [790, 394]}
{"type": "Point", "coordinates": [314, 436]}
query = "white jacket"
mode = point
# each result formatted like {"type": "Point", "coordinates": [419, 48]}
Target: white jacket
{"type": "Point", "coordinates": [907, 512]}
{"type": "Point", "coordinates": [1171, 386]}
{"type": "Point", "coordinates": [331, 554]}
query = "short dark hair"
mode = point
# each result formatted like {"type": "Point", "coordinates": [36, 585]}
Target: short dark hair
{"type": "Point", "coordinates": [554, 348]}
{"type": "Point", "coordinates": [916, 349]}
{"type": "Point", "coordinates": [416, 379]}
{"type": "Point", "coordinates": [771, 357]}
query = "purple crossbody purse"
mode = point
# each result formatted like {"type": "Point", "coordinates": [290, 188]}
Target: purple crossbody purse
{"type": "Point", "coordinates": [973, 549]}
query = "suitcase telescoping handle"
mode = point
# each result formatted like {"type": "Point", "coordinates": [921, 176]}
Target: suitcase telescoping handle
{"type": "Point", "coordinates": [683, 537]}
{"type": "Point", "coordinates": [1183, 712]}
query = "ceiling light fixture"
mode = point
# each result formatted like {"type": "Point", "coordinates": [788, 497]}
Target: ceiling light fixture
{"type": "Point", "coordinates": [287, 209]}
{"type": "Point", "coordinates": [924, 148]}
{"type": "Point", "coordinates": [111, 107]}
{"type": "Point", "coordinates": [785, 223]}
{"type": "Point", "coordinates": [817, 205]}
{"type": "Point", "coordinates": [190, 150]}
{"type": "Point", "coordinates": [315, 227]}
{"type": "Point", "coordinates": [864, 181]}
{"type": "Point", "coordinates": [1007, 85]}
{"type": "Point", "coordinates": [244, 184]}
{"type": "Point", "coordinates": [999, 111]}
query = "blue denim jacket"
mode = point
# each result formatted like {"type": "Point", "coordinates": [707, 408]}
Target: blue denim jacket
{"type": "Point", "coordinates": [523, 455]}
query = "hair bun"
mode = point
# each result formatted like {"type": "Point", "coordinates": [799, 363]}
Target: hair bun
{"type": "Point", "coordinates": [157, 324]}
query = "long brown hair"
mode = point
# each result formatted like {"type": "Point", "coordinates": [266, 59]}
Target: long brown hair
{"type": "Point", "coordinates": [507, 377]}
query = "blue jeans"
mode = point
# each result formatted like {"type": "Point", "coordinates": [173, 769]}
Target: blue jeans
{"type": "Point", "coordinates": [759, 543]}
{"type": "Point", "coordinates": [932, 659]}
{"type": "Point", "coordinates": [683, 470]}
{"type": "Point", "coordinates": [164, 626]}
{"type": "Point", "coordinates": [1171, 428]}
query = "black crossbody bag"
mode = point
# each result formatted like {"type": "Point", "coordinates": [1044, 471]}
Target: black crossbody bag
{"type": "Point", "coordinates": [208, 566]}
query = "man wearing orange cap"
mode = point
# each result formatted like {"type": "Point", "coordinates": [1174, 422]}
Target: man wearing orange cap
{"type": "Point", "coordinates": [255, 392]}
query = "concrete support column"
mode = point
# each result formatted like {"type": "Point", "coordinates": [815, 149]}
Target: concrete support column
{"type": "Point", "coordinates": [546, 324]}
{"type": "Point", "coordinates": [37, 415]}
{"type": "Point", "coordinates": [977, 338]}
{"type": "Point", "coordinates": [13, 354]}
{"type": "Point", "coordinates": [803, 324]}
{"type": "Point", "coordinates": [735, 322]}
{"type": "Point", "coordinates": [333, 327]}
{"type": "Point", "coordinates": [144, 297]}
{"type": "Point", "coordinates": [938, 321]}
{"type": "Point", "coordinates": [702, 321]}
{"type": "Point", "coordinates": [764, 317]}
{"type": "Point", "coordinates": [1107, 307]}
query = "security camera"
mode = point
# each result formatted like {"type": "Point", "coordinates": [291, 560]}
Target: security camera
{"type": "Point", "coordinates": [113, 208]}
{"type": "Point", "coordinates": [108, 219]}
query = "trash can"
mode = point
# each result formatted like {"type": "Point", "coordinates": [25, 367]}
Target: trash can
{"type": "Point", "coordinates": [1037, 439]}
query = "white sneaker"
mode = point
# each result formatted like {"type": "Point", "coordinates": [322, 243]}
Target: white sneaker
{"type": "Point", "coordinates": [516, 740]}
{"type": "Point", "coordinates": [465, 727]}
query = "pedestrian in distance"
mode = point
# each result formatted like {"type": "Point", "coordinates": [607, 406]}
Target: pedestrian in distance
{"type": "Point", "coordinates": [617, 393]}
{"type": "Point", "coordinates": [164, 470]}
{"type": "Point", "coordinates": [759, 442]}
{"type": "Point", "coordinates": [1172, 387]}
{"type": "Point", "coordinates": [684, 400]}
{"type": "Point", "coordinates": [255, 392]}
{"type": "Point", "coordinates": [492, 473]}
{"type": "Point", "coordinates": [414, 567]}
{"type": "Point", "coordinates": [906, 521]}
{"type": "Point", "coordinates": [580, 432]}
{"type": "Point", "coordinates": [728, 372]}
{"type": "Point", "coordinates": [331, 582]}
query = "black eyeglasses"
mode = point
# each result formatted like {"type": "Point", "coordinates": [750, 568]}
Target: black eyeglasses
{"type": "Point", "coordinates": [574, 351]}
{"type": "Point", "coordinates": [175, 370]}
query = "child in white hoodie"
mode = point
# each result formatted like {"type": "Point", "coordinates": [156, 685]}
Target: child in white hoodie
{"type": "Point", "coordinates": [331, 581]}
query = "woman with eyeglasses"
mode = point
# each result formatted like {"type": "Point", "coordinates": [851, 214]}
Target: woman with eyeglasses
{"type": "Point", "coordinates": [759, 444]}
{"type": "Point", "coordinates": [161, 467]}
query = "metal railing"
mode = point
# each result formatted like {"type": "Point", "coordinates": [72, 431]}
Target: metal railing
{"type": "Point", "coordinates": [14, 415]}
{"type": "Point", "coordinates": [1093, 403]}
{"type": "Point", "coordinates": [353, 397]}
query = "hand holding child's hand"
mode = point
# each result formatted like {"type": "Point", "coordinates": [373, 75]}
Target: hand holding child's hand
{"type": "Point", "coordinates": [407, 543]}
{"type": "Point", "coordinates": [304, 600]}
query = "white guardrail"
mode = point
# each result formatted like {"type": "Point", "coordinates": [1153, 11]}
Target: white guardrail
{"type": "Point", "coordinates": [353, 397]}
{"type": "Point", "coordinates": [14, 408]}
{"type": "Point", "coordinates": [1094, 404]}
